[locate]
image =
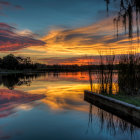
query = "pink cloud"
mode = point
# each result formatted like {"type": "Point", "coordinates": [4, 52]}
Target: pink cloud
{"type": "Point", "coordinates": [5, 3]}
{"type": "Point", "coordinates": [10, 40]}
{"type": "Point", "coordinates": [10, 99]}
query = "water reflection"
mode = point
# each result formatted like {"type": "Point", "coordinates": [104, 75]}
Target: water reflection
{"type": "Point", "coordinates": [55, 105]}
{"type": "Point", "coordinates": [12, 81]}
{"type": "Point", "coordinates": [12, 100]}
{"type": "Point", "coordinates": [110, 123]}
{"type": "Point", "coordinates": [62, 90]}
{"type": "Point", "coordinates": [19, 79]}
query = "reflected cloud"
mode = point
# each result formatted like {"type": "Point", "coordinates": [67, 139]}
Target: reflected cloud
{"type": "Point", "coordinates": [11, 100]}
{"type": "Point", "coordinates": [62, 96]}
{"type": "Point", "coordinates": [67, 91]}
{"type": "Point", "coordinates": [70, 76]}
{"type": "Point", "coordinates": [61, 93]}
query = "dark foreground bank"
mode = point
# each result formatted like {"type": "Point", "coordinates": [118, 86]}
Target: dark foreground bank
{"type": "Point", "coordinates": [124, 110]}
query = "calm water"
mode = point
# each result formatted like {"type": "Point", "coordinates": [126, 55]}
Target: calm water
{"type": "Point", "coordinates": [52, 107]}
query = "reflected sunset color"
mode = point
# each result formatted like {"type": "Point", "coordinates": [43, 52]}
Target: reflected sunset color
{"type": "Point", "coordinates": [67, 89]}
{"type": "Point", "coordinates": [55, 98]}
{"type": "Point", "coordinates": [12, 100]}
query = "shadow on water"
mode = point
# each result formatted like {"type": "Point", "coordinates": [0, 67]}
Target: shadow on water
{"type": "Point", "coordinates": [110, 123]}
{"type": "Point", "coordinates": [19, 79]}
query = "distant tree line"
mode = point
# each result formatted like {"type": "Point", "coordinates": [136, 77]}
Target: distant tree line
{"type": "Point", "coordinates": [11, 62]}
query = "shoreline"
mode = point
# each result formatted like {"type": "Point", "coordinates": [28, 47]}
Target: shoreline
{"type": "Point", "coordinates": [126, 111]}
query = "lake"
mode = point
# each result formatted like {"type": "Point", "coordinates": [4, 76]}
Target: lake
{"type": "Point", "coordinates": [51, 106]}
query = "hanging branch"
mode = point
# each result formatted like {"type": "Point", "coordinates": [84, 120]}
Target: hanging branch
{"type": "Point", "coordinates": [125, 15]}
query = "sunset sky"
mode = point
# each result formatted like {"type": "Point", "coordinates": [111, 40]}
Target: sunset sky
{"type": "Point", "coordinates": [60, 31]}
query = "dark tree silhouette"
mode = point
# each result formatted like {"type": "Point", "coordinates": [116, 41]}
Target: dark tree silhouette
{"type": "Point", "coordinates": [10, 62]}
{"type": "Point", "coordinates": [128, 15]}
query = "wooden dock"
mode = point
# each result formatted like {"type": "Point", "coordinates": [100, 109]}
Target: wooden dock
{"type": "Point", "coordinates": [126, 111]}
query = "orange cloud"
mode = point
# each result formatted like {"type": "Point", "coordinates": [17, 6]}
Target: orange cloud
{"type": "Point", "coordinates": [79, 60]}
{"type": "Point", "coordinates": [69, 46]}
{"type": "Point", "coordinates": [90, 40]}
